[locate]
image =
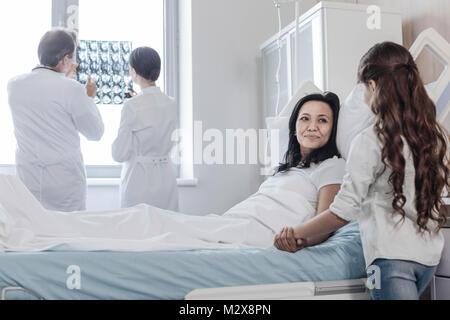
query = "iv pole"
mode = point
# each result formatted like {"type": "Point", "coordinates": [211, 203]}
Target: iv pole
{"type": "Point", "coordinates": [277, 4]}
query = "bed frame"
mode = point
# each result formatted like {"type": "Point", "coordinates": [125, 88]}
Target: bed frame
{"type": "Point", "coordinates": [323, 290]}
{"type": "Point", "coordinates": [354, 289]}
{"type": "Point", "coordinates": [5, 290]}
{"type": "Point", "coordinates": [440, 93]}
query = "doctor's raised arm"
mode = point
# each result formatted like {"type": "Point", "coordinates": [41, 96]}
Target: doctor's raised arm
{"type": "Point", "coordinates": [85, 113]}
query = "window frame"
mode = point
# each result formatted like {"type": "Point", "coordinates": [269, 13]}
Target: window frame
{"type": "Point", "coordinates": [9, 168]}
{"type": "Point", "coordinates": [59, 18]}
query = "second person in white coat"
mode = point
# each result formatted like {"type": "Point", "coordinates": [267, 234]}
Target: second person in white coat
{"type": "Point", "coordinates": [144, 140]}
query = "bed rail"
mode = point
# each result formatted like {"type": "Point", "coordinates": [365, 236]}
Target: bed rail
{"type": "Point", "coordinates": [354, 289]}
{"type": "Point", "coordinates": [5, 290]}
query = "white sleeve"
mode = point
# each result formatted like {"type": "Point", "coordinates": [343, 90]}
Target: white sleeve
{"type": "Point", "coordinates": [363, 165]}
{"type": "Point", "coordinates": [123, 145]}
{"type": "Point", "coordinates": [330, 171]}
{"type": "Point", "coordinates": [85, 114]}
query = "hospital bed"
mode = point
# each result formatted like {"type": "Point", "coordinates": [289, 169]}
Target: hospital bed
{"type": "Point", "coordinates": [334, 269]}
{"type": "Point", "coordinates": [178, 274]}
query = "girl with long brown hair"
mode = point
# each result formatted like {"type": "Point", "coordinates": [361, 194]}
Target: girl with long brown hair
{"type": "Point", "coordinates": [396, 174]}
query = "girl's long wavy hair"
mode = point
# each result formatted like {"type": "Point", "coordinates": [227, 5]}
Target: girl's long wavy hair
{"type": "Point", "coordinates": [293, 155]}
{"type": "Point", "coordinates": [403, 109]}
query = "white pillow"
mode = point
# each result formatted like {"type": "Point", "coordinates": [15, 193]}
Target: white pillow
{"type": "Point", "coordinates": [305, 89]}
{"type": "Point", "coordinates": [354, 116]}
{"type": "Point", "coordinates": [277, 127]}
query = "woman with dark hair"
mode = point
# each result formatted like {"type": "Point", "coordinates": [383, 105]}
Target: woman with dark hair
{"type": "Point", "coordinates": [397, 172]}
{"type": "Point", "coordinates": [144, 140]}
{"type": "Point", "coordinates": [312, 150]}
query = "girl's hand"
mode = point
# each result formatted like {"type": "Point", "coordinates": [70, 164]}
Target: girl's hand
{"type": "Point", "coordinates": [286, 241]}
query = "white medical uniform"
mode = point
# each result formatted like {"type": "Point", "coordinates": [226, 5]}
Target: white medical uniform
{"type": "Point", "coordinates": [365, 196]}
{"type": "Point", "coordinates": [49, 111]}
{"type": "Point", "coordinates": [144, 143]}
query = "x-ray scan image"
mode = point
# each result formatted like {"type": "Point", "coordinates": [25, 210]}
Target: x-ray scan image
{"type": "Point", "coordinates": [107, 63]}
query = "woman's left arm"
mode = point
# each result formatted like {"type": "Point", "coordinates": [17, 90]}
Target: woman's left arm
{"type": "Point", "coordinates": [312, 234]}
{"type": "Point", "coordinates": [325, 199]}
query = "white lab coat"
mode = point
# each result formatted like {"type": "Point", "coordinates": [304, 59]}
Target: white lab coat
{"type": "Point", "coordinates": [49, 111]}
{"type": "Point", "coordinates": [143, 144]}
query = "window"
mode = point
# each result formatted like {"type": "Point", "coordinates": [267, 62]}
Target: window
{"type": "Point", "coordinates": [23, 22]}
{"type": "Point", "coordinates": [139, 22]}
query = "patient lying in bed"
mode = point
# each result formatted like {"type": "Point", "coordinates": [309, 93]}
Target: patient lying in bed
{"type": "Point", "coordinates": [303, 186]}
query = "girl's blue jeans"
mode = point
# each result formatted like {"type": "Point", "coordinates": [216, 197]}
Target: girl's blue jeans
{"type": "Point", "coordinates": [399, 279]}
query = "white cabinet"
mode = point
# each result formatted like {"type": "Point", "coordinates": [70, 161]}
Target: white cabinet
{"type": "Point", "coordinates": [332, 38]}
{"type": "Point", "coordinates": [271, 64]}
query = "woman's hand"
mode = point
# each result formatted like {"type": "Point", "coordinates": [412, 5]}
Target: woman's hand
{"type": "Point", "coordinates": [286, 241]}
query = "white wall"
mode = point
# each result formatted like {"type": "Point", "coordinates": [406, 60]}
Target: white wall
{"type": "Point", "coordinates": [100, 198]}
{"type": "Point", "coordinates": [227, 94]}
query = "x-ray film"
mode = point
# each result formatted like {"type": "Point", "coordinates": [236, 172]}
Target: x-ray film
{"type": "Point", "coordinates": [107, 62]}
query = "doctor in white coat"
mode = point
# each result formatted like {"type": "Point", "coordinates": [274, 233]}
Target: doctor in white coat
{"type": "Point", "coordinates": [144, 140]}
{"type": "Point", "coordinates": [49, 111]}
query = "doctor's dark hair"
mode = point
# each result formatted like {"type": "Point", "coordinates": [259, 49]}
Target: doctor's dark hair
{"type": "Point", "coordinates": [146, 62]}
{"type": "Point", "coordinates": [55, 45]}
{"type": "Point", "coordinates": [293, 155]}
{"type": "Point", "coordinates": [404, 109]}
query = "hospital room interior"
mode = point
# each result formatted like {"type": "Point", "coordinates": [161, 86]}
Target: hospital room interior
{"type": "Point", "coordinates": [208, 149]}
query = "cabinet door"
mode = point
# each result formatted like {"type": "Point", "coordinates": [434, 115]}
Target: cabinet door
{"type": "Point", "coordinates": [303, 64]}
{"type": "Point", "coordinates": [271, 56]}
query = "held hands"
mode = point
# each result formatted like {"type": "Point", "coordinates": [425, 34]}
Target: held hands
{"type": "Point", "coordinates": [286, 241]}
{"type": "Point", "coordinates": [91, 87]}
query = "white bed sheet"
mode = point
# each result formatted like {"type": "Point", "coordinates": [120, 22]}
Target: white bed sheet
{"type": "Point", "coordinates": [26, 226]}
